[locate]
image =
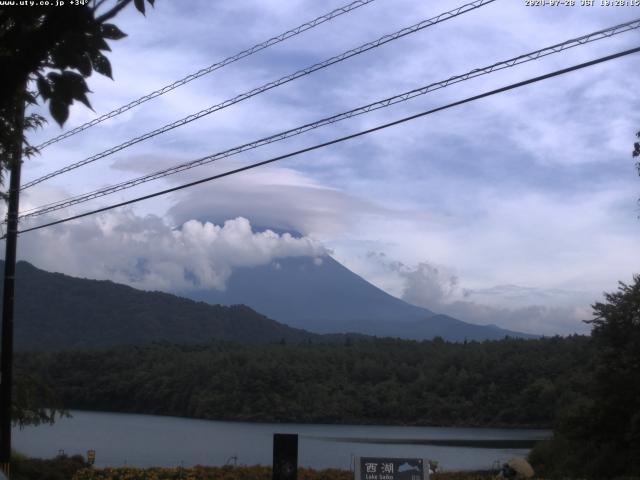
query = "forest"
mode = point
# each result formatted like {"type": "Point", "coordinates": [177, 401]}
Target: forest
{"type": "Point", "coordinates": [512, 383]}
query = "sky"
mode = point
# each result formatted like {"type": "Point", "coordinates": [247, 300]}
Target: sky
{"type": "Point", "coordinates": [518, 210]}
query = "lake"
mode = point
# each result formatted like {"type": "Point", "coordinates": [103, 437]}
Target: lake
{"type": "Point", "coordinates": [148, 440]}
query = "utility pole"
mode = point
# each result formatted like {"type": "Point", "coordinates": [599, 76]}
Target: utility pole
{"type": "Point", "coordinates": [6, 357]}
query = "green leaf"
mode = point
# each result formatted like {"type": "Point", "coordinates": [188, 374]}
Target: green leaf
{"type": "Point", "coordinates": [110, 31]}
{"type": "Point", "coordinates": [54, 76]}
{"type": "Point", "coordinates": [83, 98]}
{"type": "Point", "coordinates": [101, 65]}
{"type": "Point", "coordinates": [101, 44]}
{"type": "Point", "coordinates": [76, 87]}
{"type": "Point", "coordinates": [44, 88]}
{"type": "Point", "coordinates": [75, 81]}
{"type": "Point", "coordinates": [59, 111]}
{"type": "Point", "coordinates": [84, 65]}
{"type": "Point", "coordinates": [34, 121]}
{"type": "Point", "coordinates": [139, 5]}
{"type": "Point", "coordinates": [30, 99]}
{"type": "Point", "coordinates": [65, 88]}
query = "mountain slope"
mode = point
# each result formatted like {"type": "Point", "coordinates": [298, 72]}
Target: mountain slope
{"type": "Point", "coordinates": [55, 311]}
{"type": "Point", "coordinates": [327, 297]}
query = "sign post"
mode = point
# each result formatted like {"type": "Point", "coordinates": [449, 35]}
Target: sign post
{"type": "Point", "coordinates": [285, 456]}
{"type": "Point", "coordinates": [377, 468]}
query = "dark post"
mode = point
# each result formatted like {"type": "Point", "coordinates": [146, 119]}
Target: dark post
{"type": "Point", "coordinates": [6, 358]}
{"type": "Point", "coordinates": [285, 456]}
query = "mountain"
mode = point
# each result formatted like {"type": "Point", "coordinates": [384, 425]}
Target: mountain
{"type": "Point", "coordinates": [303, 295]}
{"type": "Point", "coordinates": [56, 311]}
{"type": "Point", "coordinates": [322, 296]}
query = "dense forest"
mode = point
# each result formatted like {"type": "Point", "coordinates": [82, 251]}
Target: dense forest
{"type": "Point", "coordinates": [495, 383]}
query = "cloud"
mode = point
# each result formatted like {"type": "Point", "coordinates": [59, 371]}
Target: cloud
{"type": "Point", "coordinates": [513, 307]}
{"type": "Point", "coordinates": [146, 253]}
{"type": "Point", "coordinates": [277, 198]}
{"type": "Point", "coordinates": [535, 319]}
{"type": "Point", "coordinates": [426, 284]}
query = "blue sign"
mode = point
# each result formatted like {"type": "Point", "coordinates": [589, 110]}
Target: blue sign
{"type": "Point", "coordinates": [375, 468]}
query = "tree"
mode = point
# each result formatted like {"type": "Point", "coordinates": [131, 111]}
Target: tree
{"type": "Point", "coordinates": [34, 401]}
{"type": "Point", "coordinates": [46, 52]}
{"type": "Point", "coordinates": [598, 436]}
{"type": "Point", "coordinates": [615, 416]}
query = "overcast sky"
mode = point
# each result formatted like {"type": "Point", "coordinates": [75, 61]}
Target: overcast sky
{"type": "Point", "coordinates": [519, 209]}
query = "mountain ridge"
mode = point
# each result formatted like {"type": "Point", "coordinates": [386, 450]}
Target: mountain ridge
{"type": "Point", "coordinates": [323, 296]}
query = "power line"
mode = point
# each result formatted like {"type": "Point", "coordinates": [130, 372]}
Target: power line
{"type": "Point", "coordinates": [606, 33]}
{"type": "Point", "coordinates": [341, 139]}
{"type": "Point", "coordinates": [268, 86]}
{"type": "Point", "coordinates": [211, 68]}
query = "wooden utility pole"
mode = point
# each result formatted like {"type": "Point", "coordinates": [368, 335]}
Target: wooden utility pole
{"type": "Point", "coordinates": [6, 357]}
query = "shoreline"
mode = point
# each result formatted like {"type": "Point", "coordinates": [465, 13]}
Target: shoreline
{"type": "Point", "coordinates": [349, 422]}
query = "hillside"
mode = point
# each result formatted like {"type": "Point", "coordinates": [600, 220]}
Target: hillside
{"type": "Point", "coordinates": [55, 311]}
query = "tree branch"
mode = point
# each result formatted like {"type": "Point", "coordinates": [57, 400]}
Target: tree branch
{"type": "Point", "coordinates": [113, 12]}
{"type": "Point", "coordinates": [97, 4]}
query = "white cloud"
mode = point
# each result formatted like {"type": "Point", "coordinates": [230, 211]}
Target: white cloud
{"type": "Point", "coordinates": [146, 253]}
{"type": "Point", "coordinates": [535, 319]}
{"type": "Point", "coordinates": [524, 309]}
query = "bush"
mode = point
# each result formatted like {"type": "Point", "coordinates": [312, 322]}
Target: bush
{"type": "Point", "coordinates": [62, 467]}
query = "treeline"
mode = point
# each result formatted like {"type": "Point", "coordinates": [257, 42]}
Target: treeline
{"type": "Point", "coordinates": [510, 383]}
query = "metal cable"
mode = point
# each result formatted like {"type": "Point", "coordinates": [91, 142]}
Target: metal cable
{"type": "Point", "coordinates": [268, 86]}
{"type": "Point", "coordinates": [234, 58]}
{"type": "Point", "coordinates": [47, 208]}
{"type": "Point", "coordinates": [342, 139]}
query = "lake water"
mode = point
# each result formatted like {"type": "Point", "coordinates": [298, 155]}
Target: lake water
{"type": "Point", "coordinates": [147, 440]}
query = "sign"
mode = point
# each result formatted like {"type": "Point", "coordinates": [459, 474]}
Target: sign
{"type": "Point", "coordinates": [375, 468]}
{"type": "Point", "coordinates": [285, 456]}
